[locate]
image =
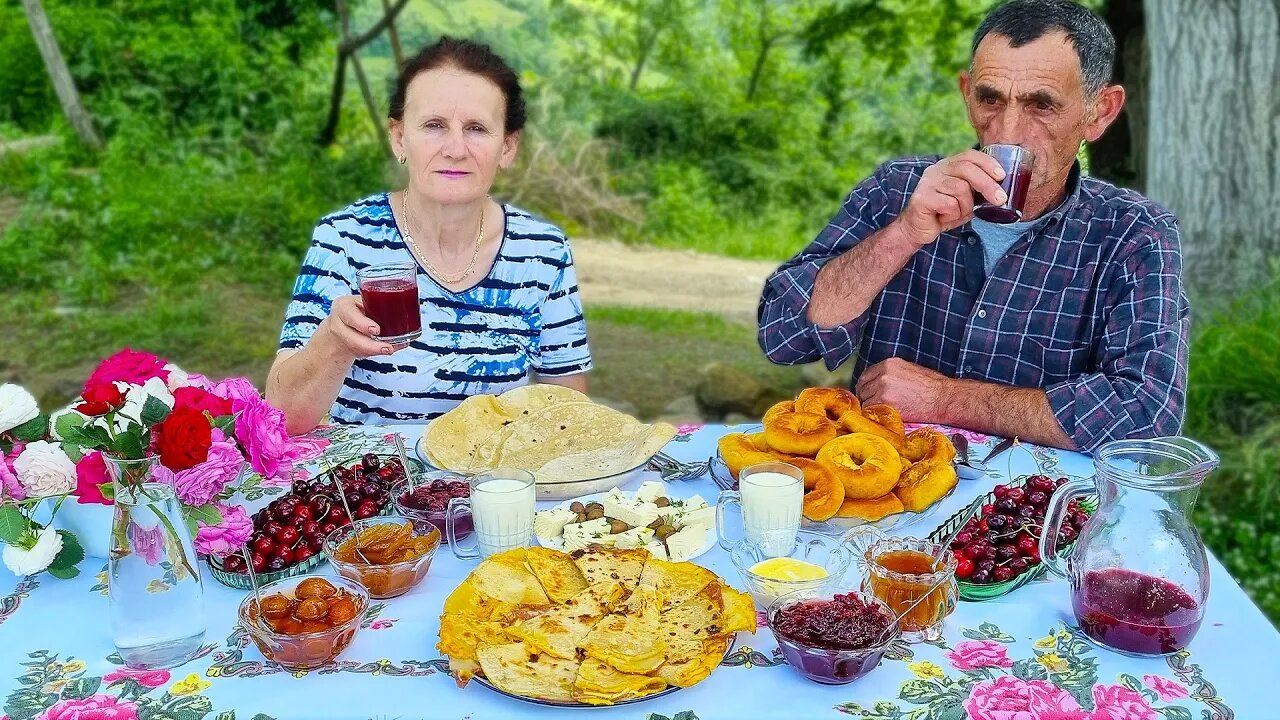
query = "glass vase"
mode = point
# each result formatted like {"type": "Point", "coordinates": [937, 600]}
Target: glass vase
{"type": "Point", "coordinates": [154, 588]}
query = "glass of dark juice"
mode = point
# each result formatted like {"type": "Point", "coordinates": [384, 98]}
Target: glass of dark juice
{"type": "Point", "coordinates": [390, 296]}
{"type": "Point", "coordinates": [1017, 162]}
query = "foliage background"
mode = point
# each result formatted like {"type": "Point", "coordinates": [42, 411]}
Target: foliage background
{"type": "Point", "coordinates": [729, 126]}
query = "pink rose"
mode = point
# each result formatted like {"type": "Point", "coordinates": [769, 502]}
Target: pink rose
{"type": "Point", "coordinates": [238, 390]}
{"type": "Point", "coordinates": [380, 624]}
{"type": "Point", "coordinates": [147, 543]}
{"type": "Point", "coordinates": [974, 654]}
{"type": "Point", "coordinates": [91, 475]}
{"type": "Point", "coordinates": [198, 380]}
{"type": "Point", "coordinates": [200, 484]}
{"type": "Point", "coordinates": [227, 536]}
{"type": "Point", "coordinates": [128, 366]}
{"type": "Point", "coordinates": [1117, 702]}
{"type": "Point", "coordinates": [1167, 690]}
{"type": "Point", "coordinates": [94, 707]}
{"type": "Point", "coordinates": [688, 429]}
{"type": "Point", "coordinates": [261, 431]}
{"type": "Point", "coordinates": [1008, 698]}
{"type": "Point", "coordinates": [145, 678]}
{"type": "Point", "coordinates": [13, 490]}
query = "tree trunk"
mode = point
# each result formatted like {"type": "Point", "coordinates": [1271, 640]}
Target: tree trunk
{"type": "Point", "coordinates": [63, 84]}
{"type": "Point", "coordinates": [1214, 154]}
{"type": "Point", "coordinates": [757, 69]}
{"type": "Point", "coordinates": [1120, 155]}
{"type": "Point", "coordinates": [393, 34]}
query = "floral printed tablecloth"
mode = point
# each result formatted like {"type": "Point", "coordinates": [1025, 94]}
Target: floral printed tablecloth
{"type": "Point", "coordinates": [1015, 658]}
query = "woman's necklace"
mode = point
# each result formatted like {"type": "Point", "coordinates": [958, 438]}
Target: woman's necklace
{"type": "Point", "coordinates": [408, 237]}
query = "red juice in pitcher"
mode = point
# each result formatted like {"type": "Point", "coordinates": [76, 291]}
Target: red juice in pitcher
{"type": "Point", "coordinates": [1136, 613]}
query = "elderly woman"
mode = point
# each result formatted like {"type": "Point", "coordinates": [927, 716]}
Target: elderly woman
{"type": "Point", "coordinates": [496, 287]}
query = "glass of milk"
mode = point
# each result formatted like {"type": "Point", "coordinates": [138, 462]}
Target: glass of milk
{"type": "Point", "coordinates": [501, 508]}
{"type": "Point", "coordinates": [771, 496]}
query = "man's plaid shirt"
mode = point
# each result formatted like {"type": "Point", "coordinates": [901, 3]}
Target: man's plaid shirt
{"type": "Point", "coordinates": [1088, 305]}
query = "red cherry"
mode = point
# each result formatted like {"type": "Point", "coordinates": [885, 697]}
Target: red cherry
{"type": "Point", "coordinates": [366, 509]}
{"type": "Point", "coordinates": [259, 561]}
{"type": "Point", "coordinates": [303, 553]}
{"type": "Point", "coordinates": [311, 527]}
{"type": "Point", "coordinates": [233, 563]}
{"type": "Point", "coordinates": [337, 516]}
{"type": "Point", "coordinates": [264, 545]}
{"type": "Point", "coordinates": [271, 528]}
{"type": "Point", "coordinates": [315, 543]}
{"type": "Point", "coordinates": [964, 567]}
{"type": "Point", "coordinates": [328, 527]}
{"type": "Point", "coordinates": [288, 536]}
{"type": "Point", "coordinates": [1001, 574]}
{"type": "Point", "coordinates": [303, 513]}
{"type": "Point", "coordinates": [283, 553]}
{"type": "Point", "coordinates": [1027, 546]}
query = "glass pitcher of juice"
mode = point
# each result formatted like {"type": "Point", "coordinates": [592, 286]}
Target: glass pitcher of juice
{"type": "Point", "coordinates": [1139, 573]}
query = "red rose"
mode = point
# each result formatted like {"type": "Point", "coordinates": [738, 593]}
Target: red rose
{"type": "Point", "coordinates": [128, 366]}
{"type": "Point", "coordinates": [100, 399]}
{"type": "Point", "coordinates": [183, 439]}
{"type": "Point", "coordinates": [200, 400]}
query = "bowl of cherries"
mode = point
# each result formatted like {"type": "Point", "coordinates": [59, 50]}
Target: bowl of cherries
{"type": "Point", "coordinates": [288, 534]}
{"type": "Point", "coordinates": [998, 550]}
{"type": "Point", "coordinates": [426, 499]}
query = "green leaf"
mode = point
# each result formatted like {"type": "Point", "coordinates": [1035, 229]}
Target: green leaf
{"type": "Point", "coordinates": [37, 428]}
{"type": "Point", "coordinates": [919, 692]}
{"type": "Point", "coordinates": [190, 707]}
{"type": "Point", "coordinates": [89, 436]}
{"type": "Point", "coordinates": [685, 715]}
{"type": "Point", "coordinates": [947, 709]}
{"type": "Point", "coordinates": [13, 524]}
{"type": "Point", "coordinates": [71, 553]}
{"type": "Point", "coordinates": [26, 704]}
{"type": "Point", "coordinates": [995, 633]}
{"type": "Point", "coordinates": [207, 514]}
{"type": "Point", "coordinates": [226, 715]}
{"type": "Point", "coordinates": [1028, 669]}
{"type": "Point", "coordinates": [81, 687]}
{"type": "Point", "coordinates": [226, 423]}
{"type": "Point", "coordinates": [260, 716]}
{"type": "Point", "coordinates": [63, 573]}
{"type": "Point", "coordinates": [1175, 712]}
{"type": "Point", "coordinates": [130, 445]}
{"type": "Point", "coordinates": [153, 411]}
{"type": "Point", "coordinates": [67, 422]}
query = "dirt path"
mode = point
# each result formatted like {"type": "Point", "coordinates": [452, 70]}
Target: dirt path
{"type": "Point", "coordinates": [611, 273]}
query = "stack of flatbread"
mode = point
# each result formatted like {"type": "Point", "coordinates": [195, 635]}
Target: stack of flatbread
{"type": "Point", "coordinates": [597, 626]}
{"type": "Point", "coordinates": [554, 432]}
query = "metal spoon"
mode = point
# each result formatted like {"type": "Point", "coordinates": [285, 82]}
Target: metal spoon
{"type": "Point", "coordinates": [351, 518]}
{"type": "Point", "coordinates": [404, 463]}
{"type": "Point", "coordinates": [881, 637]}
{"type": "Point", "coordinates": [253, 583]}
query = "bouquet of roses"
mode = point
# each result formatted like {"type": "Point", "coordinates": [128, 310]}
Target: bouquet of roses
{"type": "Point", "coordinates": [210, 438]}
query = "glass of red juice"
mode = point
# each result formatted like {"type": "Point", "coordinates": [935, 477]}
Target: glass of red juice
{"type": "Point", "coordinates": [390, 297]}
{"type": "Point", "coordinates": [1017, 162]}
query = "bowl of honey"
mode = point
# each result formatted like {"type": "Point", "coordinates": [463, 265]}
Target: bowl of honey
{"type": "Point", "coordinates": [916, 577]}
{"type": "Point", "coordinates": [388, 556]}
{"type": "Point", "coordinates": [304, 622]}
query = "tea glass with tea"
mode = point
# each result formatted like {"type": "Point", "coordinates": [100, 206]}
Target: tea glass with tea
{"type": "Point", "coordinates": [1017, 162]}
{"type": "Point", "coordinates": [390, 297]}
{"type": "Point", "coordinates": [901, 571]}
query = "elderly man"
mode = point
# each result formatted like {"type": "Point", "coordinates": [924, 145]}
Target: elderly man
{"type": "Point", "coordinates": [1066, 329]}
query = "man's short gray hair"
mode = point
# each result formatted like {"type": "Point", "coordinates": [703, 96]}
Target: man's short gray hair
{"type": "Point", "coordinates": [1025, 21]}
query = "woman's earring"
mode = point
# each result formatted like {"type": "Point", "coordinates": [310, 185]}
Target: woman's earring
{"type": "Point", "coordinates": [402, 159]}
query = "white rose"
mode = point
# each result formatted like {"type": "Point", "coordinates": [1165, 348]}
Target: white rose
{"type": "Point", "coordinates": [29, 562]}
{"type": "Point", "coordinates": [177, 377]}
{"type": "Point", "coordinates": [16, 406]}
{"type": "Point", "coordinates": [135, 397]}
{"type": "Point", "coordinates": [44, 470]}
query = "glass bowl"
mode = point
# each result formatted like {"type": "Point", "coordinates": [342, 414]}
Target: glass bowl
{"type": "Point", "coordinates": [831, 666]}
{"type": "Point", "coordinates": [462, 526]}
{"type": "Point", "coordinates": [899, 589]}
{"type": "Point", "coordinates": [303, 651]}
{"type": "Point", "coordinates": [571, 489]}
{"type": "Point", "coordinates": [389, 580]}
{"type": "Point", "coordinates": [831, 553]}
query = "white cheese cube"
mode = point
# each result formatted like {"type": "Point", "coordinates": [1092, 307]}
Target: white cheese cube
{"type": "Point", "coordinates": [684, 544]}
{"type": "Point", "coordinates": [649, 491]}
{"type": "Point", "coordinates": [671, 513]}
{"type": "Point", "coordinates": [635, 515]}
{"type": "Point", "coordinates": [657, 549]}
{"type": "Point", "coordinates": [633, 538]}
{"type": "Point", "coordinates": [549, 524]}
{"type": "Point", "coordinates": [703, 518]}
{"type": "Point", "coordinates": [694, 503]}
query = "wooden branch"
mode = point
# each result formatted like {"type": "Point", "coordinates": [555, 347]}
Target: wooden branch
{"type": "Point", "coordinates": [351, 44]}
{"type": "Point", "coordinates": [330, 130]}
{"type": "Point", "coordinates": [347, 46]}
{"type": "Point", "coordinates": [379, 127]}
{"type": "Point", "coordinates": [393, 34]}
{"type": "Point", "coordinates": [63, 84]}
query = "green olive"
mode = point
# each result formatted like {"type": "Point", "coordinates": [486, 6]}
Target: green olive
{"type": "Point", "coordinates": [617, 526]}
{"type": "Point", "coordinates": [664, 532]}
{"type": "Point", "coordinates": [656, 524]}
{"type": "Point", "coordinates": [595, 513]}
{"type": "Point", "coordinates": [577, 507]}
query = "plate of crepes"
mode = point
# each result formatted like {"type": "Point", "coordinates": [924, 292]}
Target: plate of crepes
{"type": "Point", "coordinates": [572, 445]}
{"type": "Point", "coordinates": [600, 626]}
{"type": "Point", "coordinates": [669, 528]}
{"type": "Point", "coordinates": [859, 464]}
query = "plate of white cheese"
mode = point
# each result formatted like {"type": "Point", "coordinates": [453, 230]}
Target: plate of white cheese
{"type": "Point", "coordinates": [669, 528]}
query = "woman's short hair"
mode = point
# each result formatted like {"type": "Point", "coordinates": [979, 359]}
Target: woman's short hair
{"type": "Point", "coordinates": [469, 56]}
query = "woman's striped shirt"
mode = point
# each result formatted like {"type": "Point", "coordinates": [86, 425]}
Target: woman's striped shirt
{"type": "Point", "coordinates": [523, 317]}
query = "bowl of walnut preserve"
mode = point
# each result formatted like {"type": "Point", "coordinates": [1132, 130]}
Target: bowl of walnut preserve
{"type": "Point", "coordinates": [304, 622]}
{"type": "Point", "coordinates": [386, 555]}
{"type": "Point", "coordinates": [832, 637]}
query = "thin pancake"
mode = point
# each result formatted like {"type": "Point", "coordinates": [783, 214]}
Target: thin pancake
{"type": "Point", "coordinates": [518, 670]}
{"type": "Point", "coordinates": [505, 577]}
{"type": "Point", "coordinates": [604, 564]}
{"type": "Point", "coordinates": [561, 630]}
{"type": "Point", "coordinates": [676, 582]}
{"type": "Point", "coordinates": [630, 643]}
{"type": "Point", "coordinates": [560, 577]}
{"type": "Point", "coordinates": [600, 684]}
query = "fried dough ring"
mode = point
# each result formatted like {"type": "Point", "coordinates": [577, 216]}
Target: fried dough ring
{"type": "Point", "coordinates": [925, 483]}
{"type": "Point", "coordinates": [786, 406]}
{"type": "Point", "coordinates": [829, 401]}
{"type": "Point", "coordinates": [824, 500]}
{"type": "Point", "coordinates": [812, 469]}
{"type": "Point", "coordinates": [799, 433]}
{"type": "Point", "coordinates": [758, 440]}
{"type": "Point", "coordinates": [867, 465]}
{"type": "Point", "coordinates": [871, 510]}
{"type": "Point", "coordinates": [856, 422]}
{"type": "Point", "coordinates": [928, 444]}
{"type": "Point", "coordinates": [887, 417]}
{"type": "Point", "coordinates": [738, 451]}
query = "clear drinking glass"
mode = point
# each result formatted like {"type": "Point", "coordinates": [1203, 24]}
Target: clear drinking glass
{"type": "Point", "coordinates": [501, 506]}
{"type": "Point", "coordinates": [771, 496]}
{"type": "Point", "coordinates": [1017, 162]}
{"type": "Point", "coordinates": [900, 571]}
{"type": "Point", "coordinates": [154, 588]}
{"type": "Point", "coordinates": [390, 297]}
{"type": "Point", "coordinates": [1139, 573]}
